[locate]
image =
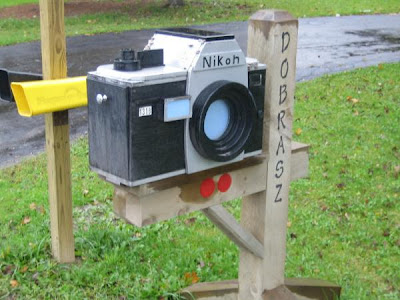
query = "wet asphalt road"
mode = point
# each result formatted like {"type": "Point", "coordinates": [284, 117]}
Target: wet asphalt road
{"type": "Point", "coordinates": [326, 45]}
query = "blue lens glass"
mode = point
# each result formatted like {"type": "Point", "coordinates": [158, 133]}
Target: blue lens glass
{"type": "Point", "coordinates": [217, 119]}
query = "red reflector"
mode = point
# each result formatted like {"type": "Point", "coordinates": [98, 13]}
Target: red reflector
{"type": "Point", "coordinates": [224, 183]}
{"type": "Point", "coordinates": [207, 187]}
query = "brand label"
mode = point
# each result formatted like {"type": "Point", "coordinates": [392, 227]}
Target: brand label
{"type": "Point", "coordinates": [145, 111]}
{"type": "Point", "coordinates": [218, 60]}
{"type": "Point", "coordinates": [209, 61]}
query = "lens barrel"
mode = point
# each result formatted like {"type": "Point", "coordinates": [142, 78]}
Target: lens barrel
{"type": "Point", "coordinates": [242, 112]}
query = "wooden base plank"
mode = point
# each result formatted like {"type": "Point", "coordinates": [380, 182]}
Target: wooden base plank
{"type": "Point", "coordinates": [172, 197]}
{"type": "Point", "coordinates": [301, 288]}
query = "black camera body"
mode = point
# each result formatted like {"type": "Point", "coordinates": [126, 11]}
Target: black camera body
{"type": "Point", "coordinates": [190, 101]}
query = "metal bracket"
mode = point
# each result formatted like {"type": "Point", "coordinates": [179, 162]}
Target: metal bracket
{"type": "Point", "coordinates": [6, 77]}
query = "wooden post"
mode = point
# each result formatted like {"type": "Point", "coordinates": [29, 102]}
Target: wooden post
{"type": "Point", "coordinates": [54, 64]}
{"type": "Point", "coordinates": [272, 39]}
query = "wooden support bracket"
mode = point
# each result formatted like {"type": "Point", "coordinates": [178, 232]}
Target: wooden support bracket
{"type": "Point", "coordinates": [232, 229]}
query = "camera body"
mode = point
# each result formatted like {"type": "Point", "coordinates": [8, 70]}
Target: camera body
{"type": "Point", "coordinates": [189, 102]}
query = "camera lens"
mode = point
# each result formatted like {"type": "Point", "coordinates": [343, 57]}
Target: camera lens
{"type": "Point", "coordinates": [217, 119]}
{"type": "Point", "coordinates": [222, 120]}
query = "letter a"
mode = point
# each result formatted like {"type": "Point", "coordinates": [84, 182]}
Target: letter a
{"type": "Point", "coordinates": [280, 145]}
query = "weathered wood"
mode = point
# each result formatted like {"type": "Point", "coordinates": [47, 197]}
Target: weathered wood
{"type": "Point", "coordinates": [221, 218]}
{"type": "Point", "coordinates": [314, 288]}
{"type": "Point", "coordinates": [54, 66]}
{"type": "Point", "coordinates": [161, 185]}
{"type": "Point", "coordinates": [299, 170]}
{"type": "Point", "coordinates": [219, 290]}
{"type": "Point", "coordinates": [157, 202]}
{"type": "Point", "coordinates": [272, 39]}
{"type": "Point", "coordinates": [185, 198]}
{"type": "Point", "coordinates": [301, 287]}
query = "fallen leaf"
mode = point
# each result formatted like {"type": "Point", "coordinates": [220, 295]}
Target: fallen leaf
{"type": "Point", "coordinates": [8, 270]}
{"type": "Point", "coordinates": [14, 283]}
{"type": "Point", "coordinates": [324, 207]}
{"type": "Point", "coordinates": [26, 220]}
{"type": "Point", "coordinates": [346, 215]}
{"type": "Point", "coordinates": [289, 224]}
{"type": "Point", "coordinates": [341, 185]}
{"type": "Point", "coordinates": [41, 209]}
{"type": "Point", "coordinates": [396, 171]}
{"type": "Point", "coordinates": [298, 131]}
{"type": "Point", "coordinates": [202, 264]}
{"type": "Point", "coordinates": [380, 67]}
{"type": "Point", "coordinates": [349, 98]}
{"type": "Point", "coordinates": [356, 113]}
{"type": "Point", "coordinates": [355, 100]}
{"type": "Point", "coordinates": [85, 192]}
{"type": "Point", "coordinates": [24, 269]}
{"type": "Point", "coordinates": [190, 221]}
{"type": "Point", "coordinates": [35, 276]}
{"type": "Point", "coordinates": [32, 206]}
{"type": "Point", "coordinates": [192, 277]}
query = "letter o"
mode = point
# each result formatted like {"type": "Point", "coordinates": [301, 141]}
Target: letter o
{"type": "Point", "coordinates": [283, 65]}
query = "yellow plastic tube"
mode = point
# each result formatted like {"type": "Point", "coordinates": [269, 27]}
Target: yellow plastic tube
{"type": "Point", "coordinates": [45, 96]}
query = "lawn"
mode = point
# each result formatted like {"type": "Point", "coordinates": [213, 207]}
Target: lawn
{"type": "Point", "coordinates": [152, 14]}
{"type": "Point", "coordinates": [344, 220]}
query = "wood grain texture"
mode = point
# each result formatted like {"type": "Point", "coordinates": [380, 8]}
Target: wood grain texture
{"type": "Point", "coordinates": [272, 39]}
{"type": "Point", "coordinates": [54, 66]}
{"type": "Point", "coordinates": [299, 170]}
{"type": "Point", "coordinates": [221, 218]}
{"type": "Point", "coordinates": [173, 197]}
{"type": "Point", "coordinates": [185, 198]}
{"type": "Point", "coordinates": [302, 288]}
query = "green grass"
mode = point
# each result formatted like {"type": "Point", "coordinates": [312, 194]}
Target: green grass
{"type": "Point", "coordinates": [6, 3]}
{"type": "Point", "coordinates": [154, 14]}
{"type": "Point", "coordinates": [345, 219]}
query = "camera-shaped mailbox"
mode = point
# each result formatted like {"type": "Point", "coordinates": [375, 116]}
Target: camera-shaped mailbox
{"type": "Point", "coordinates": [189, 102]}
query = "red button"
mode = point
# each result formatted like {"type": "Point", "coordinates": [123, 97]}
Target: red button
{"type": "Point", "coordinates": [207, 187]}
{"type": "Point", "coordinates": [224, 183]}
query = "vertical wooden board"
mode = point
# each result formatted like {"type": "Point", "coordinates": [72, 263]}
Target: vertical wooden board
{"type": "Point", "coordinates": [59, 181]}
{"type": "Point", "coordinates": [54, 66]}
{"type": "Point", "coordinates": [272, 39]}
